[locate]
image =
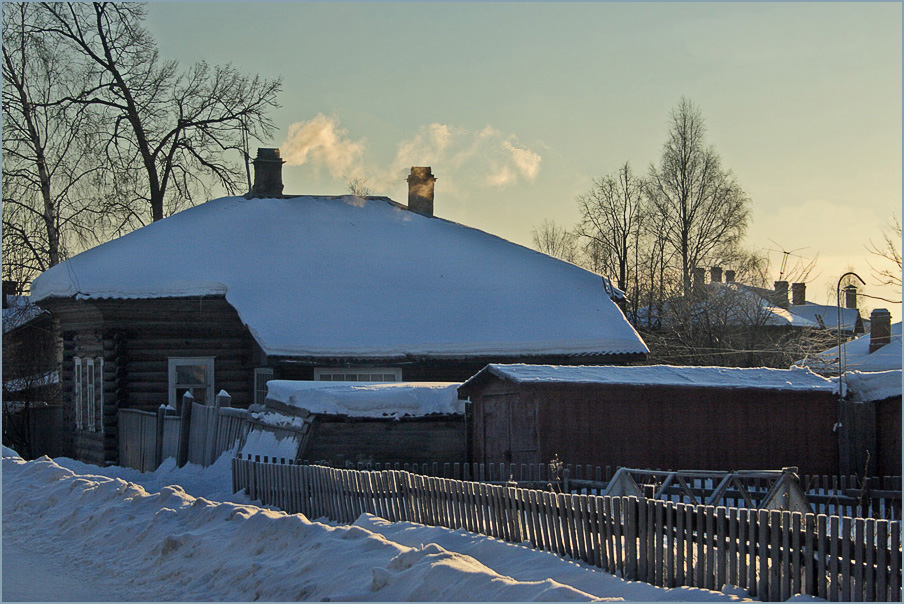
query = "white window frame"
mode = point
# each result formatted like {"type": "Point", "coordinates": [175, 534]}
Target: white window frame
{"type": "Point", "coordinates": [90, 396]}
{"type": "Point", "coordinates": [327, 373]}
{"type": "Point", "coordinates": [77, 393]}
{"type": "Point", "coordinates": [265, 373]}
{"type": "Point", "coordinates": [174, 362]}
{"type": "Point", "coordinates": [99, 391]}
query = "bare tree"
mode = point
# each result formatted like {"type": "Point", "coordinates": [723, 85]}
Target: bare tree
{"type": "Point", "coordinates": [556, 241]}
{"type": "Point", "coordinates": [703, 206]}
{"type": "Point", "coordinates": [50, 162]}
{"type": "Point", "coordinates": [357, 186]}
{"type": "Point", "coordinates": [611, 213]}
{"type": "Point", "coordinates": [168, 130]}
{"type": "Point", "coordinates": [888, 251]}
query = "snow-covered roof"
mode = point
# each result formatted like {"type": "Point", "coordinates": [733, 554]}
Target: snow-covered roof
{"type": "Point", "coordinates": [386, 399]}
{"type": "Point", "coordinates": [873, 386]}
{"type": "Point", "coordinates": [735, 304]}
{"type": "Point", "coordinates": [758, 378]}
{"type": "Point", "coordinates": [857, 356]}
{"type": "Point", "coordinates": [19, 311]}
{"type": "Point", "coordinates": [356, 277]}
{"type": "Point", "coordinates": [827, 315]}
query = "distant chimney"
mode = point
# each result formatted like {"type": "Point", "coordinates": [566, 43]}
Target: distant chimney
{"type": "Point", "coordinates": [715, 274]}
{"type": "Point", "coordinates": [729, 276]}
{"type": "Point", "coordinates": [850, 296]}
{"type": "Point", "coordinates": [9, 289]}
{"type": "Point", "coordinates": [420, 190]}
{"type": "Point", "coordinates": [798, 294]}
{"type": "Point", "coordinates": [699, 277]}
{"type": "Point", "coordinates": [268, 173]}
{"type": "Point", "coordinates": [880, 329]}
{"type": "Point", "coordinates": [781, 293]}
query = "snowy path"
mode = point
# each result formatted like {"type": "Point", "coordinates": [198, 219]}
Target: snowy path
{"type": "Point", "coordinates": [44, 576]}
{"type": "Point", "coordinates": [116, 540]}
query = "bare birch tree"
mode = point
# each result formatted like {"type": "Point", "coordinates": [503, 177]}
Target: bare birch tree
{"type": "Point", "coordinates": [555, 240]}
{"type": "Point", "coordinates": [703, 205]}
{"type": "Point", "coordinates": [889, 252]}
{"type": "Point", "coordinates": [50, 159]}
{"type": "Point", "coordinates": [611, 213]}
{"type": "Point", "coordinates": [168, 130]}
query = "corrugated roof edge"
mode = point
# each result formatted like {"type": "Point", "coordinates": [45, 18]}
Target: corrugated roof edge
{"type": "Point", "coordinates": [499, 371]}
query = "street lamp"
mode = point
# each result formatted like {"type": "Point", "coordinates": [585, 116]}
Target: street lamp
{"type": "Point", "coordinates": [838, 330]}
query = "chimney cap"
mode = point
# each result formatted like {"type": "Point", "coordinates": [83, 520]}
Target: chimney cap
{"type": "Point", "coordinates": [269, 154]}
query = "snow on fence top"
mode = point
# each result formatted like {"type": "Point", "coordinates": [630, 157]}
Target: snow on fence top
{"type": "Point", "coordinates": [876, 386]}
{"type": "Point", "coordinates": [356, 277]}
{"type": "Point", "coordinates": [760, 378]}
{"type": "Point", "coordinates": [383, 399]}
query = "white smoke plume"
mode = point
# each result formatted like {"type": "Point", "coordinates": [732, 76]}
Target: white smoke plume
{"type": "Point", "coordinates": [485, 157]}
{"type": "Point", "coordinates": [322, 142]}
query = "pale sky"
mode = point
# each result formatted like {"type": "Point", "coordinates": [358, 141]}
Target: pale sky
{"type": "Point", "coordinates": [518, 106]}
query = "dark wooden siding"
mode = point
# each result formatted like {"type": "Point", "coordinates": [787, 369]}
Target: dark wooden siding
{"type": "Point", "coordinates": [136, 338]}
{"type": "Point", "coordinates": [888, 436]}
{"type": "Point", "coordinates": [406, 440]}
{"type": "Point", "coordinates": [669, 428]}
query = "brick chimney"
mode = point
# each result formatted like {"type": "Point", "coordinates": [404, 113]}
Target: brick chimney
{"type": "Point", "coordinates": [715, 274]}
{"type": "Point", "coordinates": [420, 190]}
{"type": "Point", "coordinates": [729, 276]}
{"type": "Point", "coordinates": [9, 289]}
{"type": "Point", "coordinates": [880, 329]}
{"type": "Point", "coordinates": [699, 277]}
{"type": "Point", "coordinates": [798, 294]}
{"type": "Point", "coordinates": [268, 173]}
{"type": "Point", "coordinates": [781, 293]}
{"type": "Point", "coordinates": [850, 296]}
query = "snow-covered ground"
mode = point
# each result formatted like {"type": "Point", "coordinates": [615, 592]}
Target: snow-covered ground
{"type": "Point", "coordinates": [73, 532]}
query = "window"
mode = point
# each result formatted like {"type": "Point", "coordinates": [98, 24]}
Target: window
{"type": "Point", "coordinates": [191, 374]}
{"type": "Point", "coordinates": [261, 376]}
{"type": "Point", "coordinates": [358, 374]}
{"type": "Point", "coordinates": [88, 393]}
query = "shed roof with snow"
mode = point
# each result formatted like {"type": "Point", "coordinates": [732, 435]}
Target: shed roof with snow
{"type": "Point", "coordinates": [366, 399]}
{"type": "Point", "coordinates": [356, 277]}
{"type": "Point", "coordinates": [757, 378]}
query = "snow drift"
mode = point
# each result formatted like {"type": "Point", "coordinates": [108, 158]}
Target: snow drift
{"type": "Point", "coordinates": [169, 545]}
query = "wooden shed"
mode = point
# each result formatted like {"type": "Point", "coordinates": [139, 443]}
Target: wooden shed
{"type": "Point", "coordinates": [660, 417]}
{"type": "Point", "coordinates": [403, 422]}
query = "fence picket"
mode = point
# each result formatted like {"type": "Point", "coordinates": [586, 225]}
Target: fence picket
{"type": "Point", "coordinates": [845, 537]}
{"type": "Point", "coordinates": [881, 561]}
{"type": "Point", "coordinates": [859, 558]}
{"type": "Point", "coordinates": [794, 553]}
{"type": "Point", "coordinates": [869, 587]}
{"type": "Point", "coordinates": [763, 554]}
{"type": "Point", "coordinates": [721, 550]}
{"type": "Point", "coordinates": [895, 562]}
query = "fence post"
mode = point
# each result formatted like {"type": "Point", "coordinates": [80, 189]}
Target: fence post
{"type": "Point", "coordinates": [184, 428]}
{"type": "Point", "coordinates": [158, 445]}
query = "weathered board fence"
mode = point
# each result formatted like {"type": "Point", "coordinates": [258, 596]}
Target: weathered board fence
{"type": "Point", "coordinates": [773, 555]}
{"type": "Point", "coordinates": [875, 497]}
{"type": "Point", "coordinates": [197, 436]}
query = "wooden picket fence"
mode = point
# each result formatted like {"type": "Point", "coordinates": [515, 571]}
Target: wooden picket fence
{"type": "Point", "coordinates": [875, 497]}
{"type": "Point", "coordinates": [771, 554]}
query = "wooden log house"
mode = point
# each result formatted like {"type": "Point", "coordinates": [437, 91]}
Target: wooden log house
{"type": "Point", "coordinates": [241, 290]}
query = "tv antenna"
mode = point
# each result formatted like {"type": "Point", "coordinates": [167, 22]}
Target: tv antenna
{"type": "Point", "coordinates": [785, 254]}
